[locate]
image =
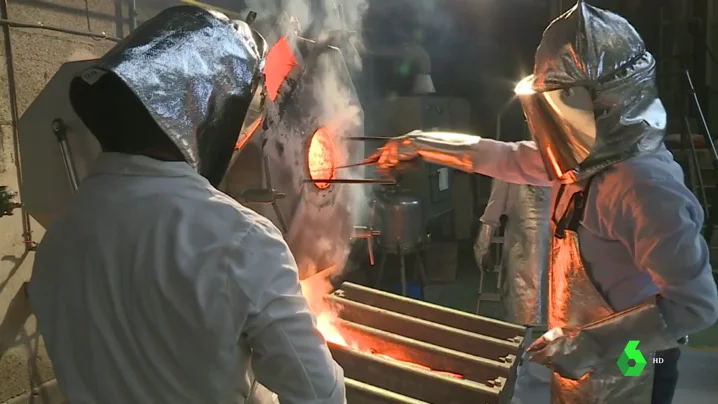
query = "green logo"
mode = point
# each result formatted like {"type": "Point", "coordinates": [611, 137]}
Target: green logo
{"type": "Point", "coordinates": [631, 353]}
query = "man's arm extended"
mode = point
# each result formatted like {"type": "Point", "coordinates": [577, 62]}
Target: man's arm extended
{"type": "Point", "coordinates": [512, 162]}
{"type": "Point", "coordinates": [289, 356]}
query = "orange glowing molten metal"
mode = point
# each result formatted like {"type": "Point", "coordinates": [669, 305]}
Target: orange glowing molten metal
{"type": "Point", "coordinates": [321, 157]}
{"type": "Point", "coordinates": [332, 334]}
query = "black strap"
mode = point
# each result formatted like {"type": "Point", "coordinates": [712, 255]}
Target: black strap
{"type": "Point", "coordinates": [572, 216]}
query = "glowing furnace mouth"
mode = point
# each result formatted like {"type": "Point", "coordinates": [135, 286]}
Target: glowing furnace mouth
{"type": "Point", "coordinates": [321, 158]}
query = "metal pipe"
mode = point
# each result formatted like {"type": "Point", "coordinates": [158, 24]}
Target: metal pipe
{"type": "Point", "coordinates": [426, 331]}
{"type": "Point", "coordinates": [133, 15]}
{"type": "Point", "coordinates": [471, 367]}
{"type": "Point", "coordinates": [351, 181]}
{"type": "Point", "coordinates": [15, 118]}
{"type": "Point", "coordinates": [14, 24]}
{"type": "Point", "coordinates": [119, 25]}
{"type": "Point", "coordinates": [358, 392]}
{"type": "Point", "coordinates": [60, 130]}
{"type": "Point", "coordinates": [367, 138]}
{"type": "Point", "coordinates": [702, 119]}
{"type": "Point", "coordinates": [410, 381]}
{"type": "Point", "coordinates": [433, 313]}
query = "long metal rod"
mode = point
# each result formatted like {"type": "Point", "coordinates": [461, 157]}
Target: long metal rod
{"type": "Point", "coordinates": [5, 22]}
{"type": "Point", "coordinates": [15, 119]}
{"type": "Point", "coordinates": [366, 138]}
{"type": "Point", "coordinates": [702, 119]}
{"type": "Point", "coordinates": [132, 6]}
{"type": "Point", "coordinates": [695, 167]}
{"type": "Point", "coordinates": [713, 209]}
{"type": "Point", "coordinates": [350, 181]}
{"type": "Point", "coordinates": [407, 380]}
{"type": "Point", "coordinates": [60, 130]}
{"type": "Point", "coordinates": [119, 19]}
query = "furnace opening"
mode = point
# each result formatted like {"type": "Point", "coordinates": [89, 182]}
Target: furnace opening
{"type": "Point", "coordinates": [321, 158]}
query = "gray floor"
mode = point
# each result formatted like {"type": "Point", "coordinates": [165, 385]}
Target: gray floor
{"type": "Point", "coordinates": [698, 382]}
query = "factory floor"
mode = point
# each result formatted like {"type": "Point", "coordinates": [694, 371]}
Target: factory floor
{"type": "Point", "coordinates": [698, 364]}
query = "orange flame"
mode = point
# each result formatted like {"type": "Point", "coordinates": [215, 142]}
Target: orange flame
{"type": "Point", "coordinates": [321, 157]}
{"type": "Point", "coordinates": [326, 327]}
{"type": "Point", "coordinates": [329, 331]}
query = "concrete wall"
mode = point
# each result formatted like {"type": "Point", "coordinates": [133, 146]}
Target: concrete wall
{"type": "Point", "coordinates": [37, 54]}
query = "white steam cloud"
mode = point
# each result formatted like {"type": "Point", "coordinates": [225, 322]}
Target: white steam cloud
{"type": "Point", "coordinates": [338, 23]}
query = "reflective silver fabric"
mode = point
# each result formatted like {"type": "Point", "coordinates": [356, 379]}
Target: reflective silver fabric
{"type": "Point", "coordinates": [195, 71]}
{"type": "Point", "coordinates": [525, 256]}
{"type": "Point", "coordinates": [575, 302]}
{"type": "Point", "coordinates": [599, 50]}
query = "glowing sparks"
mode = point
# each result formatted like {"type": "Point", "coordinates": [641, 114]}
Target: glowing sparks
{"type": "Point", "coordinates": [329, 331]}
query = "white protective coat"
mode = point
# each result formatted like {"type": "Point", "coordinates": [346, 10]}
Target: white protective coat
{"type": "Point", "coordinates": [157, 288]}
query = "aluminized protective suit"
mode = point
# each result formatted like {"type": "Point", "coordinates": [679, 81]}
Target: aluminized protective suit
{"type": "Point", "coordinates": [524, 258]}
{"type": "Point", "coordinates": [628, 262]}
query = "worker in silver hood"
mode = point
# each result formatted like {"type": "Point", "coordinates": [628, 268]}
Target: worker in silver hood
{"type": "Point", "coordinates": [628, 263]}
{"type": "Point", "coordinates": [524, 257]}
{"type": "Point", "coordinates": [154, 287]}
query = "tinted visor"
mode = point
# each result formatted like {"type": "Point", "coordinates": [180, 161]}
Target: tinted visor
{"type": "Point", "coordinates": [562, 123]}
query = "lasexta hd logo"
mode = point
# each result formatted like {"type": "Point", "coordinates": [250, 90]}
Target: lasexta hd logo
{"type": "Point", "coordinates": [632, 362]}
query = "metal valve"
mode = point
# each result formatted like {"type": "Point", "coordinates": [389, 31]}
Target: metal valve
{"type": "Point", "coordinates": [368, 233]}
{"type": "Point", "coordinates": [7, 201]}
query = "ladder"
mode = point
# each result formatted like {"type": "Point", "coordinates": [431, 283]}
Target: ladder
{"type": "Point", "coordinates": [685, 59]}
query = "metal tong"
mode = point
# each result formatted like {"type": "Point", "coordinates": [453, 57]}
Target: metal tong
{"type": "Point", "coordinates": [367, 162]}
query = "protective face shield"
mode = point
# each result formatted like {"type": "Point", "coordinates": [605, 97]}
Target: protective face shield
{"type": "Point", "coordinates": [194, 71]}
{"type": "Point", "coordinates": [592, 101]}
{"type": "Point", "coordinates": [562, 123]}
